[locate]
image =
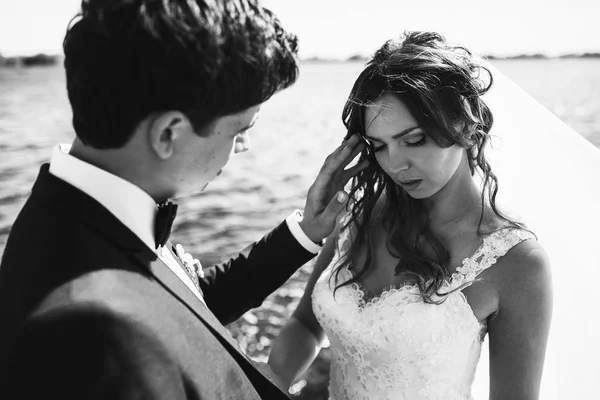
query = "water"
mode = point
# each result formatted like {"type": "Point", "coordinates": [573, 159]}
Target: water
{"type": "Point", "coordinates": [297, 129]}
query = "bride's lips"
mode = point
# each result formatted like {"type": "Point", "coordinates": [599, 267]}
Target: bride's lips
{"type": "Point", "coordinates": [410, 184]}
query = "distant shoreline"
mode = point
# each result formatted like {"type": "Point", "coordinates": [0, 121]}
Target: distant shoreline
{"type": "Point", "coordinates": [30, 61]}
{"type": "Point", "coordinates": [50, 60]}
{"type": "Point", "coordinates": [361, 58]}
{"type": "Point", "coordinates": [542, 56]}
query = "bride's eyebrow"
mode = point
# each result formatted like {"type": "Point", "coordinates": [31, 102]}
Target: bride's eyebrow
{"type": "Point", "coordinates": [396, 136]}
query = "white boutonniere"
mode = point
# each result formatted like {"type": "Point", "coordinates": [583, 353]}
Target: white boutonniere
{"type": "Point", "coordinates": [191, 264]}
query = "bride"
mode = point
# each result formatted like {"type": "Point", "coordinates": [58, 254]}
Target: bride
{"type": "Point", "coordinates": [425, 264]}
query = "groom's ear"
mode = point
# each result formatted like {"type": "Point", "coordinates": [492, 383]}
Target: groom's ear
{"type": "Point", "coordinates": [164, 129]}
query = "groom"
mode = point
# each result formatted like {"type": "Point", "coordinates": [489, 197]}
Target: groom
{"type": "Point", "coordinates": [95, 302]}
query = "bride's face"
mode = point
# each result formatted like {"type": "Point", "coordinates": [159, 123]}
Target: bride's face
{"type": "Point", "coordinates": [405, 152]}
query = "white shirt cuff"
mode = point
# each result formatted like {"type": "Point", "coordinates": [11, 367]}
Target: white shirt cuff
{"type": "Point", "coordinates": [293, 223]}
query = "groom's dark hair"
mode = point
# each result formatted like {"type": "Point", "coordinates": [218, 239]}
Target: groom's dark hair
{"type": "Point", "coordinates": [126, 59]}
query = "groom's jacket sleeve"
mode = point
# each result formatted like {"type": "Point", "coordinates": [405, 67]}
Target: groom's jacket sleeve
{"type": "Point", "coordinates": [242, 283]}
{"type": "Point", "coordinates": [85, 352]}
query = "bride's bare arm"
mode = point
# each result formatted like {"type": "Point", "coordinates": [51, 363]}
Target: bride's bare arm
{"type": "Point", "coordinates": [519, 330]}
{"type": "Point", "coordinates": [300, 339]}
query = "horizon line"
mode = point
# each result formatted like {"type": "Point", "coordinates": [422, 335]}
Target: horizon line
{"type": "Point", "coordinates": [361, 56]}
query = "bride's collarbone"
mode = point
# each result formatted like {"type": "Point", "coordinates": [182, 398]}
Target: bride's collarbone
{"type": "Point", "coordinates": [382, 264]}
{"type": "Point", "coordinates": [380, 275]}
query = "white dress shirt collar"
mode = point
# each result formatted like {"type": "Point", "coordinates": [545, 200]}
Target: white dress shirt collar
{"type": "Point", "coordinates": [126, 201]}
{"type": "Point", "coordinates": [130, 204]}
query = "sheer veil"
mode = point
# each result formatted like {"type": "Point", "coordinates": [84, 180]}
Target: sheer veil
{"type": "Point", "coordinates": [549, 179]}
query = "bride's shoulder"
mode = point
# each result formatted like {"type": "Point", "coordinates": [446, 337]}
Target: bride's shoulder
{"type": "Point", "coordinates": [527, 251]}
{"type": "Point", "coordinates": [525, 266]}
{"type": "Point", "coordinates": [524, 289]}
{"type": "Point", "coordinates": [515, 250]}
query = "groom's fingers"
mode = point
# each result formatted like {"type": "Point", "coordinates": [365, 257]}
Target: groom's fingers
{"type": "Point", "coordinates": [356, 150]}
{"type": "Point", "coordinates": [340, 157]}
{"type": "Point", "coordinates": [332, 174]}
{"type": "Point", "coordinates": [351, 172]}
{"type": "Point", "coordinates": [335, 207]}
{"type": "Point", "coordinates": [334, 154]}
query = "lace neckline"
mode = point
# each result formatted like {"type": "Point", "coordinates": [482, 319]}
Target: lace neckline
{"type": "Point", "coordinates": [463, 276]}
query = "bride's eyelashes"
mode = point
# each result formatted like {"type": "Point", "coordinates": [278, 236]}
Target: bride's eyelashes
{"type": "Point", "coordinates": [417, 141]}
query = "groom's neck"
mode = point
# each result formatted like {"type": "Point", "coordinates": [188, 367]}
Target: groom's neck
{"type": "Point", "coordinates": [122, 162]}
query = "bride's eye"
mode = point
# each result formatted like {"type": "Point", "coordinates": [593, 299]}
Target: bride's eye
{"type": "Point", "coordinates": [416, 141]}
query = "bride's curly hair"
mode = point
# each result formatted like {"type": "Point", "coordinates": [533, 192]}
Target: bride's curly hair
{"type": "Point", "coordinates": [442, 86]}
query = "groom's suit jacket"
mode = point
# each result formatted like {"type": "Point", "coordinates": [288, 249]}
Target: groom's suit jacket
{"type": "Point", "coordinates": [87, 310]}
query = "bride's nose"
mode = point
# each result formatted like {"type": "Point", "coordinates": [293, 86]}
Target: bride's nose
{"type": "Point", "coordinates": [398, 159]}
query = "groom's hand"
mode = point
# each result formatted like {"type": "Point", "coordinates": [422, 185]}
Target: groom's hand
{"type": "Point", "coordinates": [326, 197]}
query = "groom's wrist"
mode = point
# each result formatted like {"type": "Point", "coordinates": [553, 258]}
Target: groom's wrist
{"type": "Point", "coordinates": [310, 241]}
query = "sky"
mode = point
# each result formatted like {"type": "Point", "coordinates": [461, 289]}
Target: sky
{"type": "Point", "coordinates": [342, 28]}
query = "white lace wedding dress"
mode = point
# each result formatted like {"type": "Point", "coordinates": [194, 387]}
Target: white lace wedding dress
{"type": "Point", "coordinates": [548, 178]}
{"type": "Point", "coordinates": [396, 346]}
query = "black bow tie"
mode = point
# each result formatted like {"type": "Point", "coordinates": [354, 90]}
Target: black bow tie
{"type": "Point", "coordinates": [164, 222]}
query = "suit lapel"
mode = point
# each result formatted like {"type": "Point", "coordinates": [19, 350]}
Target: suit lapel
{"type": "Point", "coordinates": [62, 199]}
{"type": "Point", "coordinates": [178, 289]}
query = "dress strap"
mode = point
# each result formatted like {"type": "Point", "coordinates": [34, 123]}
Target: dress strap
{"type": "Point", "coordinates": [344, 236]}
{"type": "Point", "coordinates": [493, 247]}
{"type": "Point", "coordinates": [343, 241]}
